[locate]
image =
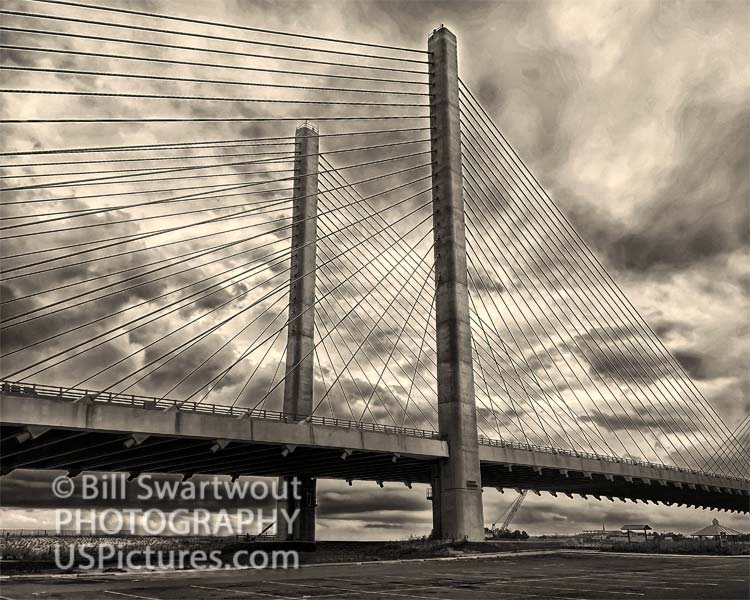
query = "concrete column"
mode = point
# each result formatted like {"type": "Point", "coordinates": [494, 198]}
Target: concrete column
{"type": "Point", "coordinates": [437, 532]}
{"type": "Point", "coordinates": [460, 487]}
{"type": "Point", "coordinates": [298, 385]}
{"type": "Point", "coordinates": [303, 526]}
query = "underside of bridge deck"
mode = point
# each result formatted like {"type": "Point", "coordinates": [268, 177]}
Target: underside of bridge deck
{"type": "Point", "coordinates": [610, 487]}
{"type": "Point", "coordinates": [78, 451]}
{"type": "Point", "coordinates": [38, 432]}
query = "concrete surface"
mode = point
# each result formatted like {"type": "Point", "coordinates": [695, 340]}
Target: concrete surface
{"type": "Point", "coordinates": [560, 575]}
{"type": "Point", "coordinates": [184, 441]}
{"type": "Point", "coordinates": [457, 488]}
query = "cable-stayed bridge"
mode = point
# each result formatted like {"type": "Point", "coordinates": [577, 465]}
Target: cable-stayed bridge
{"type": "Point", "coordinates": [297, 256]}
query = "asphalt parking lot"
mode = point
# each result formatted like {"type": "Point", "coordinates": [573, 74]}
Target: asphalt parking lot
{"type": "Point", "coordinates": [562, 575]}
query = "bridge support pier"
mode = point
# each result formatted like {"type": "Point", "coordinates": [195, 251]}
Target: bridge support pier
{"type": "Point", "coordinates": [437, 532]}
{"type": "Point", "coordinates": [298, 384]}
{"type": "Point", "coordinates": [457, 487]}
{"type": "Point", "coordinates": [300, 497]}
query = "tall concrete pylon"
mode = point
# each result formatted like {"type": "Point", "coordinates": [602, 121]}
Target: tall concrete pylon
{"type": "Point", "coordinates": [457, 485]}
{"type": "Point", "coordinates": [298, 384]}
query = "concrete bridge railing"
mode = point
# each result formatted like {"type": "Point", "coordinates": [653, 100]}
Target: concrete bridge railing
{"type": "Point", "coordinates": [81, 395]}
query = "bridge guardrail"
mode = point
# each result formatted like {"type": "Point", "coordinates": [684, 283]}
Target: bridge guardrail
{"type": "Point", "coordinates": [485, 441]}
{"type": "Point", "coordinates": [74, 394]}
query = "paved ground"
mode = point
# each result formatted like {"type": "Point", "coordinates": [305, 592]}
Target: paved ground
{"type": "Point", "coordinates": [565, 576]}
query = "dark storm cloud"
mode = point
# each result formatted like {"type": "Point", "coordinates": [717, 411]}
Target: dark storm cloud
{"type": "Point", "coordinates": [183, 363]}
{"type": "Point", "coordinates": [258, 389]}
{"type": "Point", "coordinates": [360, 500]}
{"type": "Point", "coordinates": [385, 525]}
{"type": "Point", "coordinates": [485, 282]}
{"type": "Point", "coordinates": [702, 210]}
{"type": "Point", "coordinates": [663, 422]}
{"type": "Point", "coordinates": [16, 57]}
{"type": "Point", "coordinates": [623, 353]}
{"type": "Point", "coordinates": [694, 364]}
{"type": "Point", "coordinates": [215, 299]}
{"type": "Point", "coordinates": [33, 490]}
{"type": "Point", "coordinates": [627, 367]}
{"type": "Point", "coordinates": [664, 327]}
{"type": "Point", "coordinates": [358, 387]}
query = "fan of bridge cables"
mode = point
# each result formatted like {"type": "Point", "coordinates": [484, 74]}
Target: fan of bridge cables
{"type": "Point", "coordinates": [562, 358]}
{"type": "Point", "coordinates": [146, 214]}
{"type": "Point", "coordinates": [147, 203]}
{"type": "Point", "coordinates": [733, 452]}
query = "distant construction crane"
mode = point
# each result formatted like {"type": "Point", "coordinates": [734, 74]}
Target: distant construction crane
{"type": "Point", "coordinates": [507, 515]}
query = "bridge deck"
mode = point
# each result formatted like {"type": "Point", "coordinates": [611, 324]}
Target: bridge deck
{"type": "Point", "coordinates": [78, 431]}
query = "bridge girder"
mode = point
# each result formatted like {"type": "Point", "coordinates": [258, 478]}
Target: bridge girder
{"type": "Point", "coordinates": [92, 436]}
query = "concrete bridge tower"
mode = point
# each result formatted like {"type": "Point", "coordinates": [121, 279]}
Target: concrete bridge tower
{"type": "Point", "coordinates": [457, 485]}
{"type": "Point", "coordinates": [298, 385]}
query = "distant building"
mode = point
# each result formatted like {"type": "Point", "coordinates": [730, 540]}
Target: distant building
{"type": "Point", "coordinates": [601, 534]}
{"type": "Point", "coordinates": [716, 530]}
{"type": "Point", "coordinates": [636, 529]}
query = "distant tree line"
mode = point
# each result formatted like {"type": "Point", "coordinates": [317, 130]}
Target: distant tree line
{"type": "Point", "coordinates": [506, 534]}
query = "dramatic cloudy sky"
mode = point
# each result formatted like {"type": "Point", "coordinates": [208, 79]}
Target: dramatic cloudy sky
{"type": "Point", "coordinates": [633, 115]}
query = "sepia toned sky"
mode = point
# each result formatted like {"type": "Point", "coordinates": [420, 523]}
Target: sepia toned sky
{"type": "Point", "coordinates": [633, 115]}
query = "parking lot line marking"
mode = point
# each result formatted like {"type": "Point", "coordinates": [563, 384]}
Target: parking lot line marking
{"type": "Point", "coordinates": [448, 587]}
{"type": "Point", "coordinates": [529, 581]}
{"type": "Point", "coordinates": [557, 587]}
{"type": "Point", "coordinates": [130, 595]}
{"type": "Point", "coordinates": [531, 594]}
{"type": "Point", "coordinates": [608, 577]}
{"type": "Point", "coordinates": [337, 594]}
{"type": "Point", "coordinates": [349, 591]}
{"type": "Point", "coordinates": [411, 584]}
{"type": "Point", "coordinates": [205, 587]}
{"type": "Point", "coordinates": [643, 575]}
